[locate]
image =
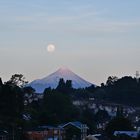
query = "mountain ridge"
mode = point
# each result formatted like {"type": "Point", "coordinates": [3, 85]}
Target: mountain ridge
{"type": "Point", "coordinates": [52, 80]}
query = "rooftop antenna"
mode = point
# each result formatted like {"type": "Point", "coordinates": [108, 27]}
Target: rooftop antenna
{"type": "Point", "coordinates": [137, 76]}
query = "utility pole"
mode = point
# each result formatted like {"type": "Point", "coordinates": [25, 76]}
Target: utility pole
{"type": "Point", "coordinates": [137, 76]}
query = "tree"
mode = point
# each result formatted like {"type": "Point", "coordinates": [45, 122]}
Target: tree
{"type": "Point", "coordinates": [47, 91]}
{"type": "Point", "coordinates": [17, 80]}
{"type": "Point", "coordinates": [29, 90]}
{"type": "Point", "coordinates": [64, 87]}
{"type": "Point", "coordinates": [61, 85]}
{"type": "Point", "coordinates": [88, 118]}
{"type": "Point", "coordinates": [57, 108]}
{"type": "Point", "coordinates": [69, 84]}
{"type": "Point", "coordinates": [119, 112]}
{"type": "Point", "coordinates": [29, 95]}
{"type": "Point", "coordinates": [11, 109]}
{"type": "Point", "coordinates": [1, 82]}
{"type": "Point", "coordinates": [118, 124]}
{"type": "Point", "coordinates": [101, 116]}
{"type": "Point", "coordinates": [111, 80]}
{"type": "Point", "coordinates": [123, 91]}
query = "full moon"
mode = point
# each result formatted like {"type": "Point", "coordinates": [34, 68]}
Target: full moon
{"type": "Point", "coordinates": [51, 48]}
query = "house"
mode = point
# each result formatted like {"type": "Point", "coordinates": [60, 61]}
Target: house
{"type": "Point", "coordinates": [45, 133]}
{"type": "Point", "coordinates": [3, 135]}
{"type": "Point", "coordinates": [132, 134]}
{"type": "Point", "coordinates": [74, 130]}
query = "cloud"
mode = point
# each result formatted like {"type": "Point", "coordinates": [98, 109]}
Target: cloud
{"type": "Point", "coordinates": [79, 20]}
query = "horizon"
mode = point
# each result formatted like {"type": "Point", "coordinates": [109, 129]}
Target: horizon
{"type": "Point", "coordinates": [66, 68]}
{"type": "Point", "coordinates": [93, 39]}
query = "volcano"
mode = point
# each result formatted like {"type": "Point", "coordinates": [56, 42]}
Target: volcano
{"type": "Point", "coordinates": [53, 79]}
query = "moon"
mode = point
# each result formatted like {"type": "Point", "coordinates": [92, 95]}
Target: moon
{"type": "Point", "coordinates": [51, 48]}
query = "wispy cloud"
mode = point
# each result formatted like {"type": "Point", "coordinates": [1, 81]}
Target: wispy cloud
{"type": "Point", "coordinates": [79, 20]}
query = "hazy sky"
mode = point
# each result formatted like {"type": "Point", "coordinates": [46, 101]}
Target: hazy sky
{"type": "Point", "coordinates": [94, 38]}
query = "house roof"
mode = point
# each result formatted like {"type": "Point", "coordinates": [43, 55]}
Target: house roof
{"type": "Point", "coordinates": [48, 127]}
{"type": "Point", "coordinates": [77, 124]}
{"type": "Point", "coordinates": [133, 134]}
{"type": "Point", "coordinates": [44, 127]}
{"type": "Point", "coordinates": [91, 137]}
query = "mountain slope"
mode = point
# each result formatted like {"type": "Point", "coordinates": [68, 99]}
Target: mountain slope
{"type": "Point", "coordinates": [53, 79]}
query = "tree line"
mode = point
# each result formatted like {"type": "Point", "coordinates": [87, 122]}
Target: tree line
{"type": "Point", "coordinates": [20, 109]}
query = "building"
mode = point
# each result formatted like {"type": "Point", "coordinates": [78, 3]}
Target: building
{"type": "Point", "coordinates": [74, 130]}
{"type": "Point", "coordinates": [45, 133]}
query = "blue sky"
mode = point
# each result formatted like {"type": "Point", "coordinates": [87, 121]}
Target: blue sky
{"type": "Point", "coordinates": [94, 38]}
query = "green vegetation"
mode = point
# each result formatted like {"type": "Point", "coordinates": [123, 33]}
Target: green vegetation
{"type": "Point", "coordinates": [21, 109]}
{"type": "Point", "coordinates": [11, 108]}
{"type": "Point", "coordinates": [57, 108]}
{"type": "Point", "coordinates": [125, 90]}
{"type": "Point", "coordinates": [119, 124]}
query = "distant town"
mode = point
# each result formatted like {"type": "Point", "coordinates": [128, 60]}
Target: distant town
{"type": "Point", "coordinates": [110, 111]}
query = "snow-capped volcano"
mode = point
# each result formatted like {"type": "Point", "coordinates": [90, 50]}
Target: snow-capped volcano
{"type": "Point", "coordinates": [53, 79]}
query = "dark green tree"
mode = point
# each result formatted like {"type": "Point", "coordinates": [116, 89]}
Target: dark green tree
{"type": "Point", "coordinates": [57, 108]}
{"type": "Point", "coordinates": [118, 124]}
{"type": "Point", "coordinates": [64, 87]}
{"type": "Point", "coordinates": [119, 112]}
{"type": "Point", "coordinates": [101, 116]}
{"type": "Point", "coordinates": [47, 91]}
{"type": "Point", "coordinates": [11, 109]}
{"type": "Point", "coordinates": [87, 117]}
{"type": "Point", "coordinates": [111, 80]}
{"type": "Point", "coordinates": [18, 80]}
{"type": "Point", "coordinates": [61, 85]}
{"type": "Point", "coordinates": [11, 103]}
{"type": "Point", "coordinates": [1, 82]}
{"type": "Point", "coordinates": [69, 84]}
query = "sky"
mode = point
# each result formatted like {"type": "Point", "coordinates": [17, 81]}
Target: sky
{"type": "Point", "coordinates": [93, 38]}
